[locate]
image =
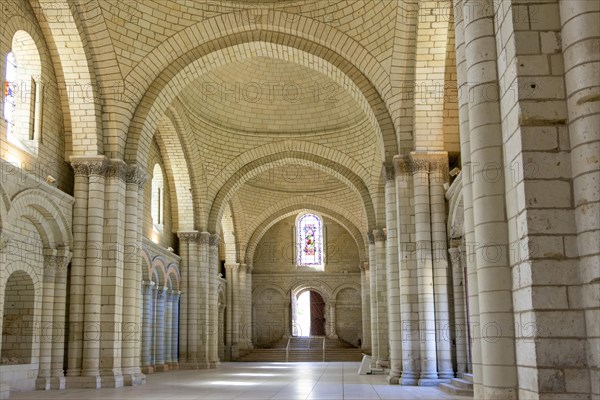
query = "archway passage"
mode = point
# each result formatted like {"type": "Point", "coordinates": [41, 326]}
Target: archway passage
{"type": "Point", "coordinates": [17, 320]}
{"type": "Point", "coordinates": [317, 314]}
{"type": "Point", "coordinates": [309, 316]}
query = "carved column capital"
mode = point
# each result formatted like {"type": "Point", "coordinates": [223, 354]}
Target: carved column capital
{"type": "Point", "coordinates": [388, 172]}
{"type": "Point", "coordinates": [117, 169]}
{"type": "Point", "coordinates": [136, 175]}
{"type": "Point", "coordinates": [380, 235]}
{"type": "Point", "coordinates": [371, 238]}
{"type": "Point", "coordinates": [88, 166]}
{"type": "Point", "coordinates": [187, 237]}
{"type": "Point", "coordinates": [204, 238]}
{"type": "Point", "coordinates": [214, 240]}
{"type": "Point", "coordinates": [419, 162]}
{"type": "Point", "coordinates": [402, 165]}
{"type": "Point", "coordinates": [4, 240]}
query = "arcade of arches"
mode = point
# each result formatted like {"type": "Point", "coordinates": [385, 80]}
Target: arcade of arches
{"type": "Point", "coordinates": [158, 155]}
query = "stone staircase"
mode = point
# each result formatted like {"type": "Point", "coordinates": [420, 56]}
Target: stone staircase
{"type": "Point", "coordinates": [459, 386]}
{"type": "Point", "coordinates": [305, 349]}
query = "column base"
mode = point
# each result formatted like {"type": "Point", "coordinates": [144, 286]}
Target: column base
{"type": "Point", "coordinates": [432, 382]}
{"type": "Point", "coordinates": [393, 379]}
{"type": "Point", "coordinates": [161, 368]}
{"type": "Point", "coordinates": [193, 365]}
{"type": "Point", "coordinates": [51, 383]}
{"type": "Point", "coordinates": [111, 380]}
{"type": "Point", "coordinates": [383, 363]}
{"type": "Point", "coordinates": [148, 369]}
{"type": "Point", "coordinates": [409, 379]}
{"type": "Point", "coordinates": [83, 382]}
{"type": "Point", "coordinates": [174, 366]}
{"type": "Point", "coordinates": [134, 379]}
{"type": "Point", "coordinates": [4, 391]}
{"type": "Point", "coordinates": [214, 364]}
{"type": "Point", "coordinates": [446, 375]}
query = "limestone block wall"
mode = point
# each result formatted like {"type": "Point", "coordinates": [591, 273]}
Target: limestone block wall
{"type": "Point", "coordinates": [51, 144]}
{"type": "Point", "coordinates": [276, 250]}
{"type": "Point", "coordinates": [165, 238]}
{"type": "Point", "coordinates": [35, 250]}
{"type": "Point", "coordinates": [348, 316]}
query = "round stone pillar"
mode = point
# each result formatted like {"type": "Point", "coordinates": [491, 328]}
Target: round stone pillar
{"type": "Point", "coordinates": [147, 328]}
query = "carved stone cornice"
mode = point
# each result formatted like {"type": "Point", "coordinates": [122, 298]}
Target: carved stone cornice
{"type": "Point", "coordinates": [439, 163]}
{"type": "Point", "coordinates": [243, 268]}
{"type": "Point", "coordinates": [204, 238]}
{"type": "Point", "coordinates": [379, 235]}
{"type": "Point", "coordinates": [214, 240]}
{"type": "Point", "coordinates": [136, 175]}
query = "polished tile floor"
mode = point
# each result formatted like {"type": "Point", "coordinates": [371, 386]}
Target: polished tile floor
{"type": "Point", "coordinates": [257, 381]}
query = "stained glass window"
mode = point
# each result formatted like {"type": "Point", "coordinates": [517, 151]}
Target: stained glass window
{"type": "Point", "coordinates": [309, 239]}
{"type": "Point", "coordinates": [10, 96]}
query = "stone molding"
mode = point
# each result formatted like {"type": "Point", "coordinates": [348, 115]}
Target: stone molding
{"type": "Point", "coordinates": [136, 175]}
{"type": "Point", "coordinates": [204, 238]}
{"type": "Point", "coordinates": [214, 240]}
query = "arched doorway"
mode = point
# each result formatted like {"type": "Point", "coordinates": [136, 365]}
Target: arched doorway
{"type": "Point", "coordinates": [308, 314]}
{"type": "Point", "coordinates": [317, 314]}
{"type": "Point", "coordinates": [18, 320]}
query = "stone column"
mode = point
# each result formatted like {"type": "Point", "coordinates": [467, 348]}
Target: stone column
{"type": "Point", "coordinates": [229, 311]}
{"type": "Point", "coordinates": [392, 277]}
{"type": "Point", "coordinates": [213, 252]}
{"type": "Point", "coordinates": [467, 184]}
{"type": "Point", "coordinates": [365, 307]}
{"type": "Point", "coordinates": [287, 319]}
{"type": "Point", "coordinates": [90, 366]}
{"type": "Point", "coordinates": [242, 298]}
{"type": "Point", "coordinates": [111, 308]}
{"type": "Point", "coordinates": [184, 238]}
{"type": "Point", "coordinates": [460, 322]}
{"type": "Point", "coordinates": [374, 298]}
{"type": "Point", "coordinates": [235, 312]}
{"type": "Point", "coordinates": [159, 339]}
{"type": "Point", "coordinates": [580, 32]}
{"type": "Point", "coordinates": [195, 292]}
{"type": "Point", "coordinates": [494, 273]}
{"type": "Point", "coordinates": [175, 330]}
{"type": "Point", "coordinates": [168, 328]}
{"type": "Point", "coordinates": [147, 328]}
{"type": "Point", "coordinates": [63, 259]}
{"type": "Point", "coordinates": [77, 284]}
{"type": "Point", "coordinates": [438, 176]}
{"type": "Point", "coordinates": [382, 332]}
{"type": "Point", "coordinates": [409, 316]}
{"type": "Point", "coordinates": [420, 167]}
{"type": "Point", "coordinates": [204, 297]}
{"type": "Point", "coordinates": [222, 311]}
{"type": "Point", "coordinates": [332, 319]}
{"type": "Point", "coordinates": [249, 321]}
{"type": "Point", "coordinates": [132, 333]}
{"type": "Point", "coordinates": [47, 320]}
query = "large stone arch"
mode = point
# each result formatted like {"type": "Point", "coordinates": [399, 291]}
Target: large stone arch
{"type": "Point", "coordinates": [255, 167]}
{"type": "Point", "coordinates": [38, 207]}
{"type": "Point", "coordinates": [176, 168]}
{"type": "Point", "coordinates": [300, 286]}
{"type": "Point", "coordinates": [78, 87]}
{"type": "Point", "coordinates": [171, 61]}
{"type": "Point", "coordinates": [281, 211]}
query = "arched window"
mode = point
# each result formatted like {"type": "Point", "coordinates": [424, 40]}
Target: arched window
{"type": "Point", "coordinates": [23, 90]}
{"type": "Point", "coordinates": [309, 241]}
{"type": "Point", "coordinates": [157, 203]}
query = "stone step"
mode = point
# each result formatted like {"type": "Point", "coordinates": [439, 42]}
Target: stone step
{"type": "Point", "coordinates": [468, 377]}
{"type": "Point", "coordinates": [462, 383]}
{"type": "Point", "coordinates": [449, 388]}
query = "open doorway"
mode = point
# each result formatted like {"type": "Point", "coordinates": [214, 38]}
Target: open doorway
{"type": "Point", "coordinates": [309, 315]}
